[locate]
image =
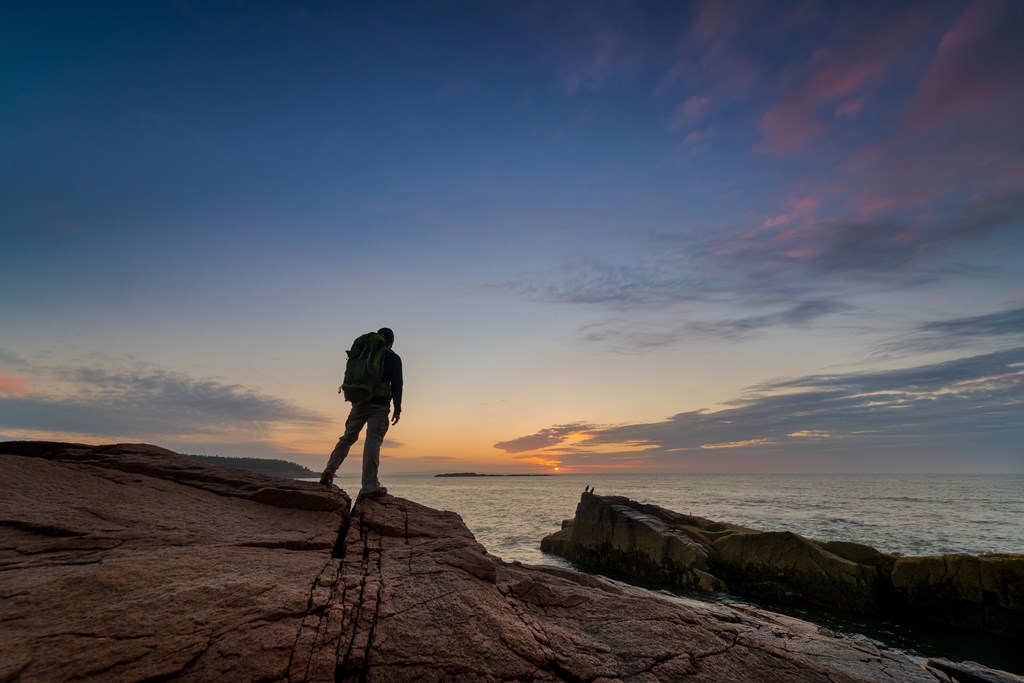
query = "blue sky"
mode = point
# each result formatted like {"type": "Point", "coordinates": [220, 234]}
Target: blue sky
{"type": "Point", "coordinates": [714, 236]}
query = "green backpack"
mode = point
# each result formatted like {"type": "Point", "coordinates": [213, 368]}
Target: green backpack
{"type": "Point", "coordinates": [364, 370]}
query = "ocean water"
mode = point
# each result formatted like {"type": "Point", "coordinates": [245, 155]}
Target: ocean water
{"type": "Point", "coordinates": [903, 514]}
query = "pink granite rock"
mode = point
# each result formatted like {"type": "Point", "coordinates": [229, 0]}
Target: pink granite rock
{"type": "Point", "coordinates": [131, 563]}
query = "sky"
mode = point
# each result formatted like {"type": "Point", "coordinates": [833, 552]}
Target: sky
{"type": "Point", "coordinates": [610, 237]}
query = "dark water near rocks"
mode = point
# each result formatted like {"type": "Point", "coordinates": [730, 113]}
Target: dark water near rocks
{"type": "Point", "coordinates": [903, 514]}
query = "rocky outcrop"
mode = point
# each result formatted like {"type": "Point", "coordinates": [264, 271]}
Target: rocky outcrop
{"type": "Point", "coordinates": [131, 563]}
{"type": "Point", "coordinates": [612, 533]}
{"type": "Point", "coordinates": [983, 593]}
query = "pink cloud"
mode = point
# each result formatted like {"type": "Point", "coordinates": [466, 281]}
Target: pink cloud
{"type": "Point", "coordinates": [717, 35]}
{"type": "Point", "coordinates": [976, 70]}
{"type": "Point", "coordinates": [975, 164]}
{"type": "Point", "coordinates": [850, 107]}
{"type": "Point", "coordinates": [13, 386]}
{"type": "Point", "coordinates": [692, 108]}
{"type": "Point", "coordinates": [804, 254]}
{"type": "Point", "coordinates": [798, 210]}
{"type": "Point", "coordinates": [962, 132]}
{"type": "Point", "coordinates": [717, 23]}
{"type": "Point", "coordinates": [794, 122]}
{"type": "Point", "coordinates": [789, 128]}
{"type": "Point", "coordinates": [841, 74]}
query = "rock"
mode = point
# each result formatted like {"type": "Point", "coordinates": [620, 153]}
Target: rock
{"type": "Point", "coordinates": [646, 542]}
{"type": "Point", "coordinates": [131, 563]}
{"type": "Point", "coordinates": [969, 672]}
{"type": "Point", "coordinates": [128, 563]}
{"type": "Point", "coordinates": [617, 536]}
{"type": "Point", "coordinates": [985, 593]}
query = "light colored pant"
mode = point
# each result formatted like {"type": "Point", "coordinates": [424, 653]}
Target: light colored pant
{"type": "Point", "coordinates": [375, 417]}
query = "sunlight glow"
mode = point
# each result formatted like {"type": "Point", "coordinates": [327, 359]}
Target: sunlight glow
{"type": "Point", "coordinates": [737, 444]}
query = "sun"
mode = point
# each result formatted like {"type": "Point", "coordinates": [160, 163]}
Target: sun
{"type": "Point", "coordinates": [557, 468]}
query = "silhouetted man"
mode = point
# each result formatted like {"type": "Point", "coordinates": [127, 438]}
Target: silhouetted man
{"type": "Point", "coordinates": [373, 414]}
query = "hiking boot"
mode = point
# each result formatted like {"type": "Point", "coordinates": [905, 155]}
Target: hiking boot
{"type": "Point", "coordinates": [377, 493]}
{"type": "Point", "coordinates": [326, 479]}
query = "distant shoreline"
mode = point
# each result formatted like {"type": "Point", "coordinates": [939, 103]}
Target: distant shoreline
{"type": "Point", "coordinates": [475, 474]}
{"type": "Point", "coordinates": [277, 468]}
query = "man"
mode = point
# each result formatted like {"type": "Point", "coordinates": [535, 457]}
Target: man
{"type": "Point", "coordinates": [373, 414]}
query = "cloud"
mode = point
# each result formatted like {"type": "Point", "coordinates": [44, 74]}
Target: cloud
{"type": "Point", "coordinates": [893, 137]}
{"type": "Point", "coordinates": [797, 263]}
{"type": "Point", "coordinates": [976, 70]}
{"type": "Point", "coordinates": [146, 404]}
{"type": "Point", "coordinates": [651, 283]}
{"type": "Point", "coordinates": [10, 358]}
{"type": "Point", "coordinates": [840, 74]}
{"type": "Point", "coordinates": [992, 324]}
{"type": "Point", "coordinates": [630, 336]}
{"type": "Point", "coordinates": [13, 386]}
{"type": "Point", "coordinates": [594, 45]}
{"type": "Point", "coordinates": [799, 314]}
{"type": "Point", "coordinates": [723, 42]}
{"type": "Point", "coordinates": [550, 436]}
{"type": "Point", "coordinates": [690, 109]}
{"type": "Point", "coordinates": [973, 402]}
{"type": "Point", "coordinates": [927, 379]}
{"type": "Point", "coordinates": [959, 332]}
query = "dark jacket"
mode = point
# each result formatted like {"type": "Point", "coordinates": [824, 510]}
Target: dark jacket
{"type": "Point", "coordinates": [393, 376]}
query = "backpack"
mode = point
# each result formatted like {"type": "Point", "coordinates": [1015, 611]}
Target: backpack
{"type": "Point", "coordinates": [364, 370]}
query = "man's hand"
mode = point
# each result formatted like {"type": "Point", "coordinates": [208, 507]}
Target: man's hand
{"type": "Point", "coordinates": [397, 416]}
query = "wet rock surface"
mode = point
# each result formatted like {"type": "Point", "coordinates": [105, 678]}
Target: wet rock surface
{"type": "Point", "coordinates": [132, 563]}
{"type": "Point", "coordinates": [983, 593]}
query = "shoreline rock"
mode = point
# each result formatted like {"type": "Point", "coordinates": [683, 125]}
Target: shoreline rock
{"type": "Point", "coordinates": [130, 563]}
{"type": "Point", "coordinates": [983, 593]}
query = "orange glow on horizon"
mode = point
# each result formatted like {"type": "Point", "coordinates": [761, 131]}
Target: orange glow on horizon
{"type": "Point", "coordinates": [544, 462]}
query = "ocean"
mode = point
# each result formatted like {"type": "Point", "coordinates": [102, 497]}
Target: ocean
{"type": "Point", "coordinates": [902, 514]}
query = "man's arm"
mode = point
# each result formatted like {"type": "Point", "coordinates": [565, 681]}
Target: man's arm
{"type": "Point", "coordinates": [395, 370]}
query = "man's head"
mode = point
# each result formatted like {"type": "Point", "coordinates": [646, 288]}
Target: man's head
{"type": "Point", "coordinates": [388, 334]}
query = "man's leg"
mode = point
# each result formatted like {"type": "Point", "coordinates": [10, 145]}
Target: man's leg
{"type": "Point", "coordinates": [353, 425]}
{"type": "Point", "coordinates": [376, 427]}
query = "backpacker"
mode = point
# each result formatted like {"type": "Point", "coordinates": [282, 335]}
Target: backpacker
{"type": "Point", "coordinates": [364, 370]}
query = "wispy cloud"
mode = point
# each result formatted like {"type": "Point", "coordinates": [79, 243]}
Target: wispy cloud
{"type": "Point", "coordinates": [592, 47]}
{"type": "Point", "coordinates": [651, 283]}
{"type": "Point", "coordinates": [975, 402]}
{"type": "Point", "coordinates": [839, 75]}
{"type": "Point", "coordinates": [976, 69]}
{"type": "Point", "coordinates": [1004, 327]}
{"type": "Point", "coordinates": [876, 247]}
{"type": "Point", "coordinates": [145, 403]}
{"type": "Point", "coordinates": [629, 336]}
{"type": "Point", "coordinates": [898, 129]}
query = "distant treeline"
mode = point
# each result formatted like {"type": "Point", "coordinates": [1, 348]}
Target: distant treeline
{"type": "Point", "coordinates": [278, 468]}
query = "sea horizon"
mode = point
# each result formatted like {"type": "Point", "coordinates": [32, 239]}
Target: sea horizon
{"type": "Point", "coordinates": [907, 514]}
